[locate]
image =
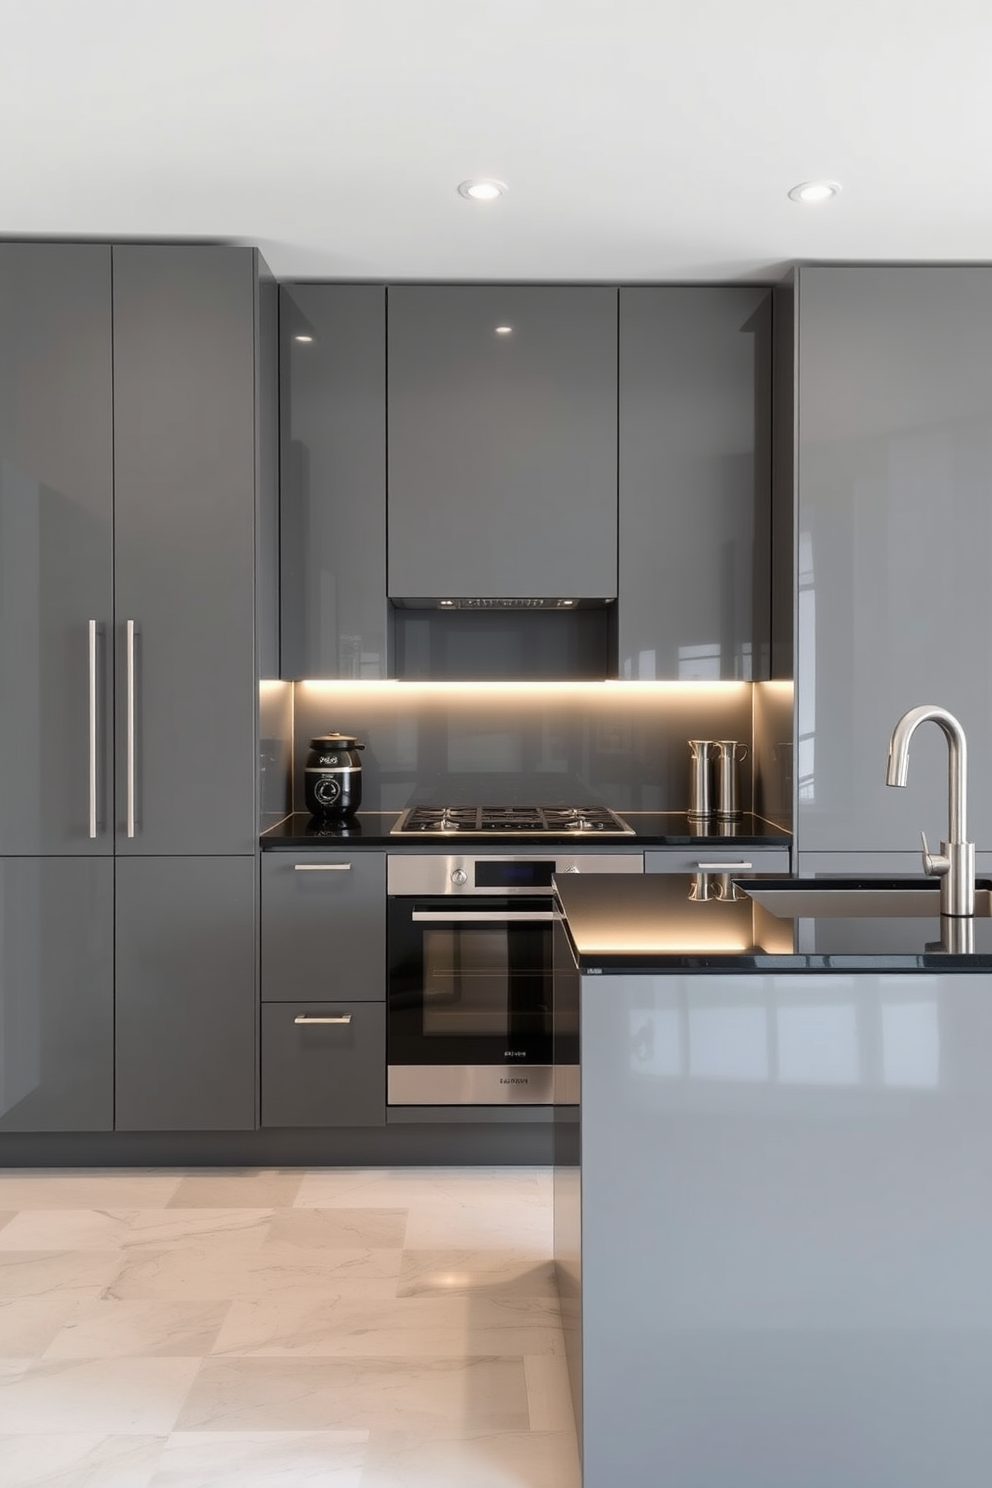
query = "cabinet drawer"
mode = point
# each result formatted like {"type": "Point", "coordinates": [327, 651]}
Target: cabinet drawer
{"type": "Point", "coordinates": [717, 860]}
{"type": "Point", "coordinates": [323, 926]}
{"type": "Point", "coordinates": [324, 1073]}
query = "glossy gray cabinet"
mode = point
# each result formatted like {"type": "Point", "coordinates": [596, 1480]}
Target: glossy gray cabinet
{"type": "Point", "coordinates": [56, 994]}
{"type": "Point", "coordinates": [324, 1064]}
{"type": "Point", "coordinates": [184, 439]}
{"type": "Point", "coordinates": [185, 994]}
{"type": "Point", "coordinates": [333, 507]}
{"type": "Point", "coordinates": [695, 387]}
{"type": "Point", "coordinates": [894, 546]}
{"type": "Point", "coordinates": [323, 927]}
{"type": "Point", "coordinates": [502, 446]}
{"type": "Point", "coordinates": [56, 547]}
{"type": "Point", "coordinates": [717, 858]}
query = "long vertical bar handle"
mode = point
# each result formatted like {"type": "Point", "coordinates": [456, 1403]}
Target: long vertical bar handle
{"type": "Point", "coordinates": [130, 728]}
{"type": "Point", "coordinates": [92, 728]}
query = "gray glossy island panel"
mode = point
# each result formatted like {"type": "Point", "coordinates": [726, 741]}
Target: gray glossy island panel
{"type": "Point", "coordinates": [785, 1280]}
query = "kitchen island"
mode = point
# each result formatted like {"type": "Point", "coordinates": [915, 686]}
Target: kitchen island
{"type": "Point", "coordinates": [775, 1257]}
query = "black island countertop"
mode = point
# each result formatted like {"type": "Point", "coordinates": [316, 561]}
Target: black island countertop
{"type": "Point", "coordinates": [651, 829]}
{"type": "Point", "coordinates": [658, 923]}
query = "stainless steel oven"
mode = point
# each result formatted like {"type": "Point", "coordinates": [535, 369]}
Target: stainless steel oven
{"type": "Point", "coordinates": [469, 936]}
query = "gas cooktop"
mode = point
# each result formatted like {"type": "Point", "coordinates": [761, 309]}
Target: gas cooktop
{"type": "Point", "coordinates": [510, 821]}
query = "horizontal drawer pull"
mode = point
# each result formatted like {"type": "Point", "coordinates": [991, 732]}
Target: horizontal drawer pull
{"type": "Point", "coordinates": [322, 867]}
{"type": "Point", "coordinates": [722, 867]}
{"type": "Point", "coordinates": [306, 1018]}
{"type": "Point", "coordinates": [491, 916]}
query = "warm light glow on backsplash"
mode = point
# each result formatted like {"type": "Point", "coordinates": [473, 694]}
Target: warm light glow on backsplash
{"type": "Point", "coordinates": [631, 690]}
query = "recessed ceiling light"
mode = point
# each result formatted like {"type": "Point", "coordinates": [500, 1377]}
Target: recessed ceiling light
{"type": "Point", "coordinates": [482, 190]}
{"type": "Point", "coordinates": [302, 338]}
{"type": "Point", "coordinates": [812, 192]}
{"type": "Point", "coordinates": [504, 330]}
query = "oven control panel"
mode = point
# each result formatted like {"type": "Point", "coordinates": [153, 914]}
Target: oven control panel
{"type": "Point", "coordinates": [496, 873]}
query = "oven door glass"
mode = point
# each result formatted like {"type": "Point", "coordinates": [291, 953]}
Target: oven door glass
{"type": "Point", "coordinates": [470, 982]}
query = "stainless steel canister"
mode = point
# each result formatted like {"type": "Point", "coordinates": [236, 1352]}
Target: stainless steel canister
{"type": "Point", "coordinates": [700, 777]}
{"type": "Point", "coordinates": [728, 754]}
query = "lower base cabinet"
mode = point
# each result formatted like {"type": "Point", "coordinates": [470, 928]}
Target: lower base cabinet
{"type": "Point", "coordinates": [185, 994]}
{"type": "Point", "coordinates": [56, 994]}
{"type": "Point", "coordinates": [324, 1064]}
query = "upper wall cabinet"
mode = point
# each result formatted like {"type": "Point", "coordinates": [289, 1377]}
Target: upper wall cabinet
{"type": "Point", "coordinates": [502, 447]}
{"type": "Point", "coordinates": [695, 384]}
{"type": "Point", "coordinates": [333, 552]}
{"type": "Point", "coordinates": [894, 546]}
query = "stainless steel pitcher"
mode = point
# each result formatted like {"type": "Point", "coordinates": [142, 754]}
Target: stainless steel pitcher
{"type": "Point", "coordinates": [700, 777]}
{"type": "Point", "coordinates": [727, 754]}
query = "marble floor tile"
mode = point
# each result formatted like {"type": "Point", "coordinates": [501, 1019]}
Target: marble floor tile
{"type": "Point", "coordinates": [6, 1217]}
{"type": "Point", "coordinates": [340, 1229]}
{"type": "Point", "coordinates": [472, 1459]}
{"type": "Point", "coordinates": [111, 1329]}
{"type": "Point", "coordinates": [251, 1394]}
{"type": "Point", "coordinates": [91, 1188]}
{"type": "Point", "coordinates": [445, 1326]}
{"type": "Point", "coordinates": [247, 1188]}
{"type": "Point", "coordinates": [44, 1273]}
{"type": "Point", "coordinates": [116, 1397]}
{"type": "Point", "coordinates": [518, 1222]}
{"type": "Point", "coordinates": [183, 1228]}
{"type": "Point", "coordinates": [67, 1229]}
{"type": "Point", "coordinates": [215, 1272]}
{"type": "Point", "coordinates": [483, 1272]}
{"type": "Point", "coordinates": [87, 1460]}
{"type": "Point", "coordinates": [262, 1459]}
{"type": "Point", "coordinates": [28, 1324]}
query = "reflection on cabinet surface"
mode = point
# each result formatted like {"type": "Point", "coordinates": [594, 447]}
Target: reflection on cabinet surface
{"type": "Point", "coordinates": [894, 388]}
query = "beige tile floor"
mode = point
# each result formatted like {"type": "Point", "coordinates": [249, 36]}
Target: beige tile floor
{"type": "Point", "coordinates": [343, 1328]}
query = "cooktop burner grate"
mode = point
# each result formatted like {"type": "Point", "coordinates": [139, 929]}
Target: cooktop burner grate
{"type": "Point", "coordinates": [495, 821]}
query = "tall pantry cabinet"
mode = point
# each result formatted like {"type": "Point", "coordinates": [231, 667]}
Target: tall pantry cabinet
{"type": "Point", "coordinates": [132, 434]}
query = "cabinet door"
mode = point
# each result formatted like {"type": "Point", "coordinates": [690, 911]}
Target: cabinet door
{"type": "Point", "coordinates": [323, 927]}
{"type": "Point", "coordinates": [695, 388]}
{"type": "Point", "coordinates": [56, 510]}
{"type": "Point", "coordinates": [894, 546]}
{"type": "Point", "coordinates": [56, 994]}
{"type": "Point", "coordinates": [324, 1064]}
{"type": "Point", "coordinates": [502, 447]}
{"type": "Point", "coordinates": [184, 400]}
{"type": "Point", "coordinates": [333, 513]}
{"type": "Point", "coordinates": [186, 1000]}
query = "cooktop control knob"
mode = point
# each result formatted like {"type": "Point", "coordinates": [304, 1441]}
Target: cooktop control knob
{"type": "Point", "coordinates": [459, 876]}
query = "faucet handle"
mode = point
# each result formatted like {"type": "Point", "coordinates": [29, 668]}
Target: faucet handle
{"type": "Point", "coordinates": [934, 864]}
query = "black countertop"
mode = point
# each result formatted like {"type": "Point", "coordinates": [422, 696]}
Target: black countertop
{"type": "Point", "coordinates": [651, 829]}
{"type": "Point", "coordinates": [647, 924]}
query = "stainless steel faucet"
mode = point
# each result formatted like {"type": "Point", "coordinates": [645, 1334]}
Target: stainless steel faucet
{"type": "Point", "coordinates": [955, 863]}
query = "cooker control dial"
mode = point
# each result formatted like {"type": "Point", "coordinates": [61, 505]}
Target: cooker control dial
{"type": "Point", "coordinates": [459, 876]}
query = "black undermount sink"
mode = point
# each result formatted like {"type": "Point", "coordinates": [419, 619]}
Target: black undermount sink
{"type": "Point", "coordinates": [857, 898]}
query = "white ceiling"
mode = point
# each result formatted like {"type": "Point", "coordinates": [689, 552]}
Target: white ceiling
{"type": "Point", "coordinates": [641, 139]}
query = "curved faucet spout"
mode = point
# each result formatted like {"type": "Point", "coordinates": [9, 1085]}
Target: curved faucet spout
{"type": "Point", "coordinates": [956, 861]}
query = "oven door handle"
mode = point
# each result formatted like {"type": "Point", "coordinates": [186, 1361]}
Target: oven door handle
{"type": "Point", "coordinates": [491, 916]}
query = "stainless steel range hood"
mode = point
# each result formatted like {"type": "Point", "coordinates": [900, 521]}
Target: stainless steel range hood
{"type": "Point", "coordinates": [474, 602]}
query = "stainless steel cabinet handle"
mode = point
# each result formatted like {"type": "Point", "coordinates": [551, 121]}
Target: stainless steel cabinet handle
{"type": "Point", "coordinates": [304, 1018]}
{"type": "Point", "coordinates": [92, 730]}
{"type": "Point", "coordinates": [494, 916]}
{"type": "Point", "coordinates": [130, 728]}
{"type": "Point", "coordinates": [321, 867]}
{"type": "Point", "coordinates": [722, 867]}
